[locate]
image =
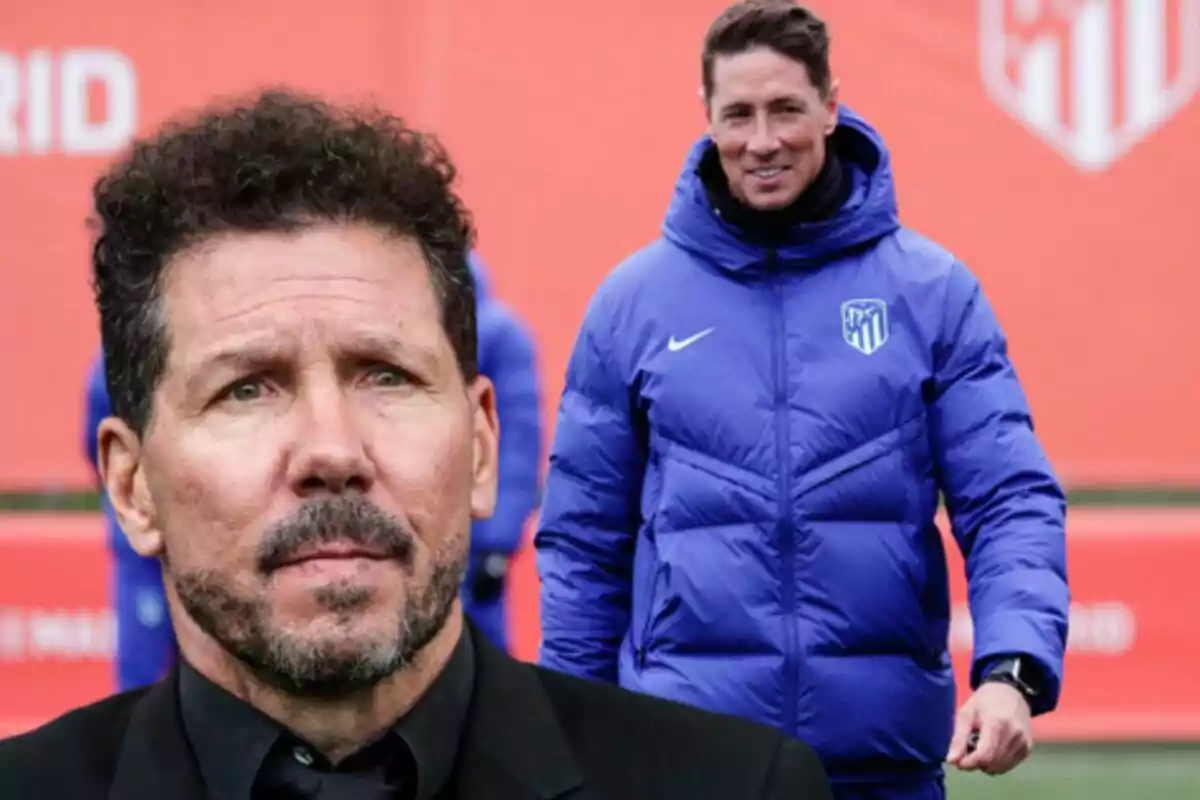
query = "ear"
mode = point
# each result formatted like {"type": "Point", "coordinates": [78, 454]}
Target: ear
{"type": "Point", "coordinates": [832, 106]}
{"type": "Point", "coordinates": [486, 447]}
{"type": "Point", "coordinates": [120, 457]}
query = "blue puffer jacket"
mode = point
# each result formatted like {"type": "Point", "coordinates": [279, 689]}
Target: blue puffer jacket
{"type": "Point", "coordinates": [739, 512]}
{"type": "Point", "coordinates": [508, 356]}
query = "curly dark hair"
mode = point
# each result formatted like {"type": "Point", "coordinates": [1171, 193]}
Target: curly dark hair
{"type": "Point", "coordinates": [275, 161]}
{"type": "Point", "coordinates": [789, 29]}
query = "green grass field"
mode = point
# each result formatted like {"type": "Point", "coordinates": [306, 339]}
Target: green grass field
{"type": "Point", "coordinates": [1061, 772]}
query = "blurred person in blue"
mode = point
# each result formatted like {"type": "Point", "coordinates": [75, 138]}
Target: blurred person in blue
{"type": "Point", "coordinates": [507, 355]}
{"type": "Point", "coordinates": [760, 413]}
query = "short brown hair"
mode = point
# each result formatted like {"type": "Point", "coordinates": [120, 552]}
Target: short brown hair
{"type": "Point", "coordinates": [781, 25]}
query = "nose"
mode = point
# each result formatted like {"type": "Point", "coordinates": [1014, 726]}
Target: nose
{"type": "Point", "coordinates": [763, 142]}
{"type": "Point", "coordinates": [330, 455]}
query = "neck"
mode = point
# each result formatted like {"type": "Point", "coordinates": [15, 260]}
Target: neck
{"type": "Point", "coordinates": [335, 726]}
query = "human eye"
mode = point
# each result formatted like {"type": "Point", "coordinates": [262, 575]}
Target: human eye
{"type": "Point", "coordinates": [791, 108]}
{"type": "Point", "coordinates": [388, 376]}
{"type": "Point", "coordinates": [244, 390]}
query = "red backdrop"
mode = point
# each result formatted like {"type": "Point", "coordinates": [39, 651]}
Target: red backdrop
{"type": "Point", "coordinates": [570, 123]}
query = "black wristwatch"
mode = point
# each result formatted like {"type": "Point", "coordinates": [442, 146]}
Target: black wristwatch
{"type": "Point", "coordinates": [1018, 673]}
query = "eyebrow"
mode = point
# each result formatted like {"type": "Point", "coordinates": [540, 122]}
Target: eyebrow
{"type": "Point", "coordinates": [780, 100]}
{"type": "Point", "coordinates": [240, 356]}
{"type": "Point", "coordinates": [260, 354]}
{"type": "Point", "coordinates": [371, 344]}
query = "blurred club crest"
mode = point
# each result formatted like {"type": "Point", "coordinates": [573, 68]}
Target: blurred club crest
{"type": "Point", "coordinates": [1091, 78]}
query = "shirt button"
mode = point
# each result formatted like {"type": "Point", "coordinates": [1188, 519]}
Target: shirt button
{"type": "Point", "coordinates": [303, 756]}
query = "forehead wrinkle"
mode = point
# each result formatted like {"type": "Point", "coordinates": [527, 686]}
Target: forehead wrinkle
{"type": "Point", "coordinates": [214, 303]}
{"type": "Point", "coordinates": [235, 313]}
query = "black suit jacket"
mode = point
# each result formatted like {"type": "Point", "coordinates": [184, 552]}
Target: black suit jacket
{"type": "Point", "coordinates": [531, 734]}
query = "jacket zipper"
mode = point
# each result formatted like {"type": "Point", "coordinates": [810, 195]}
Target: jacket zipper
{"type": "Point", "coordinates": [787, 530]}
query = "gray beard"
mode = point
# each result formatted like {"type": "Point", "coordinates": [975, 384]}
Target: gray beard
{"type": "Point", "coordinates": [241, 624]}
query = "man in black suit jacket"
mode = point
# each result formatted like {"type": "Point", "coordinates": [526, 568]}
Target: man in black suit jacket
{"type": "Point", "coordinates": [529, 733]}
{"type": "Point", "coordinates": [301, 437]}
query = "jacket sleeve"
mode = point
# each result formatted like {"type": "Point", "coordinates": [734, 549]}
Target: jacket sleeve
{"type": "Point", "coordinates": [513, 369]}
{"type": "Point", "coordinates": [591, 510]}
{"type": "Point", "coordinates": [97, 407]}
{"type": "Point", "coordinates": [1007, 510]}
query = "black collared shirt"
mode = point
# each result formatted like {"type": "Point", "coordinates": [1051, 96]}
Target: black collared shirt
{"type": "Point", "coordinates": [245, 755]}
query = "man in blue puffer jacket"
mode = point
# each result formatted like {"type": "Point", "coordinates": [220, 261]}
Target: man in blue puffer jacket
{"type": "Point", "coordinates": [759, 414]}
{"type": "Point", "coordinates": [145, 637]}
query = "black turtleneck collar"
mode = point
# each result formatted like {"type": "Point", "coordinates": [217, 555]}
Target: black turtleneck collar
{"type": "Point", "coordinates": [824, 196]}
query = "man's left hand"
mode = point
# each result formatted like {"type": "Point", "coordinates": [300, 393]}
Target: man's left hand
{"type": "Point", "coordinates": [1001, 716]}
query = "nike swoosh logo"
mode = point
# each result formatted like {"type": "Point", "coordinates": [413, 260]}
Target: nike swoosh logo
{"type": "Point", "coordinates": [678, 344]}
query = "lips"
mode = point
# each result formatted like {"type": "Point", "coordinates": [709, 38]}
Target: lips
{"type": "Point", "coordinates": [766, 173]}
{"type": "Point", "coordinates": [334, 552]}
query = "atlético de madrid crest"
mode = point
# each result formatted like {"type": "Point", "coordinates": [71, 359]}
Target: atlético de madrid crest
{"type": "Point", "coordinates": [865, 324]}
{"type": "Point", "coordinates": [1091, 78]}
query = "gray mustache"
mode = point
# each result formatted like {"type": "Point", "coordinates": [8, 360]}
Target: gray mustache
{"type": "Point", "coordinates": [347, 519]}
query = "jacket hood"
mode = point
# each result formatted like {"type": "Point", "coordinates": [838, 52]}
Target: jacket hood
{"type": "Point", "coordinates": [868, 214]}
